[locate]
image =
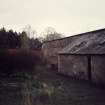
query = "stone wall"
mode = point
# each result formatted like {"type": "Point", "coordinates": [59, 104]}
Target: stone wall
{"type": "Point", "coordinates": [73, 65]}
{"type": "Point", "coordinates": [78, 65]}
{"type": "Point", "coordinates": [98, 68]}
{"type": "Point", "coordinates": [50, 49]}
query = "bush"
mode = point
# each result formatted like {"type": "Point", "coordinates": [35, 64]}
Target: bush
{"type": "Point", "coordinates": [17, 61]}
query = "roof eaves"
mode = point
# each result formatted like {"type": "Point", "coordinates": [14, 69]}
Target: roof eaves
{"type": "Point", "coordinates": [76, 35]}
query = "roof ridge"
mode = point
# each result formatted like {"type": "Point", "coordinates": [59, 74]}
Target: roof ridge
{"type": "Point", "coordinates": [75, 35]}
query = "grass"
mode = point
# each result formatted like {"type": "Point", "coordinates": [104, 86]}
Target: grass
{"type": "Point", "coordinates": [47, 87]}
{"type": "Point", "coordinates": [61, 90]}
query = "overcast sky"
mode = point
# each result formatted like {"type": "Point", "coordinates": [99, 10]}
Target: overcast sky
{"type": "Point", "coordinates": [66, 16]}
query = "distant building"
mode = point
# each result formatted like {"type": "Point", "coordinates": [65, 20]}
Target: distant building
{"type": "Point", "coordinates": [81, 56]}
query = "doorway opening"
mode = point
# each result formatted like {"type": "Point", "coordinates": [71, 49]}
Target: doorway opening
{"type": "Point", "coordinates": [89, 68]}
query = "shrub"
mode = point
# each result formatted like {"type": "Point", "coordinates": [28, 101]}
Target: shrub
{"type": "Point", "coordinates": [17, 61]}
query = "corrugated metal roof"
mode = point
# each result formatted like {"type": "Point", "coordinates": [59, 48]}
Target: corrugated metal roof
{"type": "Point", "coordinates": [77, 35]}
{"type": "Point", "coordinates": [94, 43]}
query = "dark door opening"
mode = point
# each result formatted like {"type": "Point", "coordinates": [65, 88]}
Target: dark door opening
{"type": "Point", "coordinates": [89, 68]}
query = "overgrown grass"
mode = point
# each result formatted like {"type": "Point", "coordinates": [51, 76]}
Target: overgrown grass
{"type": "Point", "coordinates": [50, 88]}
{"type": "Point", "coordinates": [46, 87]}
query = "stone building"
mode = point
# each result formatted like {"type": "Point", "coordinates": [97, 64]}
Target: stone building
{"type": "Point", "coordinates": [50, 49]}
{"type": "Point", "coordinates": [82, 55]}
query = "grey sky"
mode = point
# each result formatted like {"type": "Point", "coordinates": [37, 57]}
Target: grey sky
{"type": "Point", "coordinates": [66, 16]}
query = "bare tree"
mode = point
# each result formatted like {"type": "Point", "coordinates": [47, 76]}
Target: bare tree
{"type": "Point", "coordinates": [50, 30]}
{"type": "Point", "coordinates": [30, 32]}
{"type": "Point", "coordinates": [51, 34]}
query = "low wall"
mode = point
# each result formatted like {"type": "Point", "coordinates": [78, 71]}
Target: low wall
{"type": "Point", "coordinates": [73, 65]}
